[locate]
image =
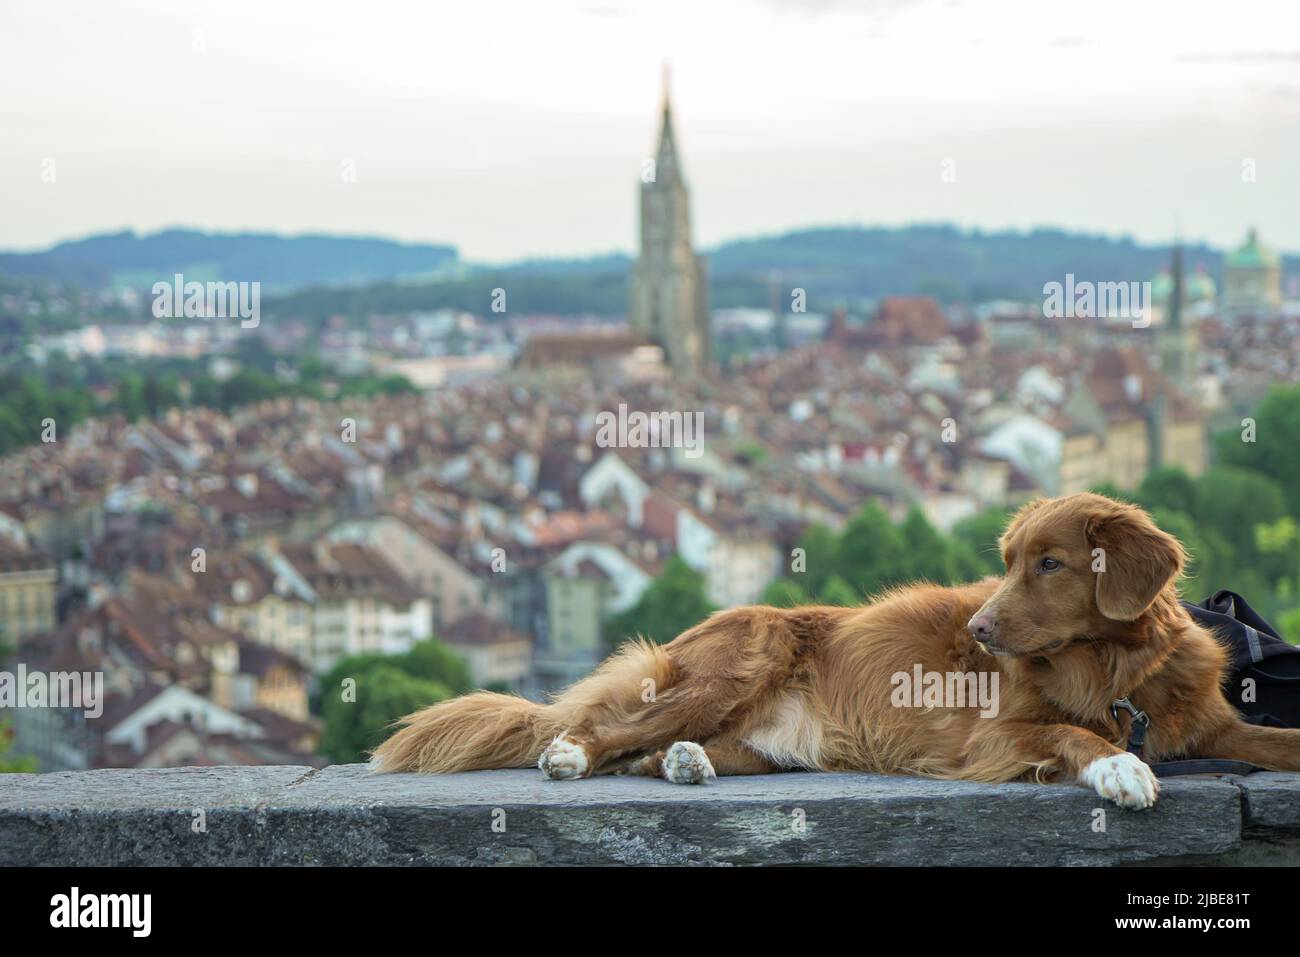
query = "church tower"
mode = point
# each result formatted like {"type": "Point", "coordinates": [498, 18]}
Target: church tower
{"type": "Point", "coordinates": [1174, 334]}
{"type": "Point", "coordinates": [669, 296]}
{"type": "Point", "coordinates": [1176, 356]}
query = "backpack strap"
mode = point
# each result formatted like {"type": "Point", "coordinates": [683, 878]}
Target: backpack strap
{"type": "Point", "coordinates": [1137, 731]}
{"type": "Point", "coordinates": [1165, 769]}
{"type": "Point", "coordinates": [1137, 736]}
{"type": "Point", "coordinates": [1252, 642]}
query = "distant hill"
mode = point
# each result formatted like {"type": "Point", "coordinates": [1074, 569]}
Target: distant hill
{"type": "Point", "coordinates": [944, 261]}
{"type": "Point", "coordinates": [319, 276]}
{"type": "Point", "coordinates": [128, 258]}
{"type": "Point", "coordinates": [837, 264]}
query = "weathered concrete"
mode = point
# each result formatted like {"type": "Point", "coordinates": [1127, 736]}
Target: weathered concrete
{"type": "Point", "coordinates": [1271, 801]}
{"type": "Point", "coordinates": [138, 817]}
{"type": "Point", "coordinates": [344, 815]}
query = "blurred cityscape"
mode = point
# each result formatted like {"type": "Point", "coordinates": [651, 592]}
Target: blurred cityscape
{"type": "Point", "coordinates": [274, 538]}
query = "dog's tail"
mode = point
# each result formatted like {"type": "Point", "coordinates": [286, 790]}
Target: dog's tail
{"type": "Point", "coordinates": [485, 730]}
{"type": "Point", "coordinates": [475, 732]}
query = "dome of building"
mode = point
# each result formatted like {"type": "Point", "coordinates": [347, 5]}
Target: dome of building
{"type": "Point", "coordinates": [1252, 255]}
{"type": "Point", "coordinates": [1199, 285]}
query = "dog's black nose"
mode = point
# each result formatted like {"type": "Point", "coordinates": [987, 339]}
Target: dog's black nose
{"type": "Point", "coordinates": [981, 627]}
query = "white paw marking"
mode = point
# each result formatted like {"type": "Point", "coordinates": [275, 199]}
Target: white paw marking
{"type": "Point", "coordinates": [686, 763]}
{"type": "Point", "coordinates": [1124, 779]}
{"type": "Point", "coordinates": [563, 760]}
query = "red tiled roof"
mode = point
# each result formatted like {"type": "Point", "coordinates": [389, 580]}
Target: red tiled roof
{"type": "Point", "coordinates": [480, 629]}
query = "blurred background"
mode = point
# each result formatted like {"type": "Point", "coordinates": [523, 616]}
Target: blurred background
{"type": "Point", "coordinates": [352, 358]}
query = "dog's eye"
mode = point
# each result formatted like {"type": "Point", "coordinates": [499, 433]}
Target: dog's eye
{"type": "Point", "coordinates": [1048, 565]}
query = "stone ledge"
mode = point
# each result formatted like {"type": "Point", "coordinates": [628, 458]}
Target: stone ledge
{"type": "Point", "coordinates": [343, 815]}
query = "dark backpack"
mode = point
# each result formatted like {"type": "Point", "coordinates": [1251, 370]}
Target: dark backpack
{"type": "Point", "coordinates": [1255, 652]}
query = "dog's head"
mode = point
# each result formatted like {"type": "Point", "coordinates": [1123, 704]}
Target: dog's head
{"type": "Point", "coordinates": [1076, 566]}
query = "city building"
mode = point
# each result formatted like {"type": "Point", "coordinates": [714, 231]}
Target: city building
{"type": "Point", "coordinates": [586, 584]}
{"type": "Point", "coordinates": [361, 603]}
{"type": "Point", "coordinates": [28, 592]}
{"type": "Point", "coordinates": [453, 589]}
{"type": "Point", "coordinates": [497, 655]}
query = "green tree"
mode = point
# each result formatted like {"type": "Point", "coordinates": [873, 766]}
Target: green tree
{"type": "Point", "coordinates": [1275, 451]}
{"type": "Point", "coordinates": [840, 592]}
{"type": "Point", "coordinates": [129, 397]}
{"type": "Point", "coordinates": [926, 554]}
{"type": "Point", "coordinates": [980, 533]}
{"type": "Point", "coordinates": [785, 593]}
{"type": "Point", "coordinates": [1288, 624]}
{"type": "Point", "coordinates": [8, 763]}
{"type": "Point", "coordinates": [1209, 556]}
{"type": "Point", "coordinates": [433, 661]}
{"type": "Point", "coordinates": [1111, 490]}
{"type": "Point", "coordinates": [968, 565]}
{"type": "Point", "coordinates": [360, 697]}
{"type": "Point", "coordinates": [750, 453]}
{"type": "Point", "coordinates": [871, 551]}
{"type": "Point", "coordinates": [674, 602]}
{"type": "Point", "coordinates": [248, 387]}
{"type": "Point", "coordinates": [821, 554]}
{"type": "Point", "coordinates": [384, 694]}
{"type": "Point", "coordinates": [1232, 501]}
{"type": "Point", "coordinates": [335, 682]}
{"type": "Point", "coordinates": [428, 660]}
{"type": "Point", "coordinates": [1168, 487]}
{"type": "Point", "coordinates": [1278, 544]}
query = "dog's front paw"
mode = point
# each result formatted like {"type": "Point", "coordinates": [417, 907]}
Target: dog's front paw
{"type": "Point", "coordinates": [686, 763]}
{"type": "Point", "coordinates": [1124, 779]}
{"type": "Point", "coordinates": [563, 760]}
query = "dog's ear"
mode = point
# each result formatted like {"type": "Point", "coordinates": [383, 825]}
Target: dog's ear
{"type": "Point", "coordinates": [1135, 562]}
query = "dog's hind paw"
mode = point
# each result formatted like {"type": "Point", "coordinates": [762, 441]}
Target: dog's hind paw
{"type": "Point", "coordinates": [563, 760]}
{"type": "Point", "coordinates": [686, 763]}
{"type": "Point", "coordinates": [1124, 779]}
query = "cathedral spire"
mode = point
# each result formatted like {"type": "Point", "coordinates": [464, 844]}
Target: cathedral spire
{"type": "Point", "coordinates": [1174, 338]}
{"type": "Point", "coordinates": [666, 154]}
{"type": "Point", "coordinates": [1175, 317]}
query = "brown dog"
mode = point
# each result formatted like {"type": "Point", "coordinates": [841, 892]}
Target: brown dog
{"type": "Point", "coordinates": [1005, 679]}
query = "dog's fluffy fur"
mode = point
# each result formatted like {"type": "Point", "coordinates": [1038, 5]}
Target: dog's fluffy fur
{"type": "Point", "coordinates": [756, 690]}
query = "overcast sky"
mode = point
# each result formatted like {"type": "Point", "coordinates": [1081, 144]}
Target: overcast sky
{"type": "Point", "coordinates": [513, 129]}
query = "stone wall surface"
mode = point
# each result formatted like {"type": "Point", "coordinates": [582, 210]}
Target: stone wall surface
{"type": "Point", "coordinates": [343, 815]}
